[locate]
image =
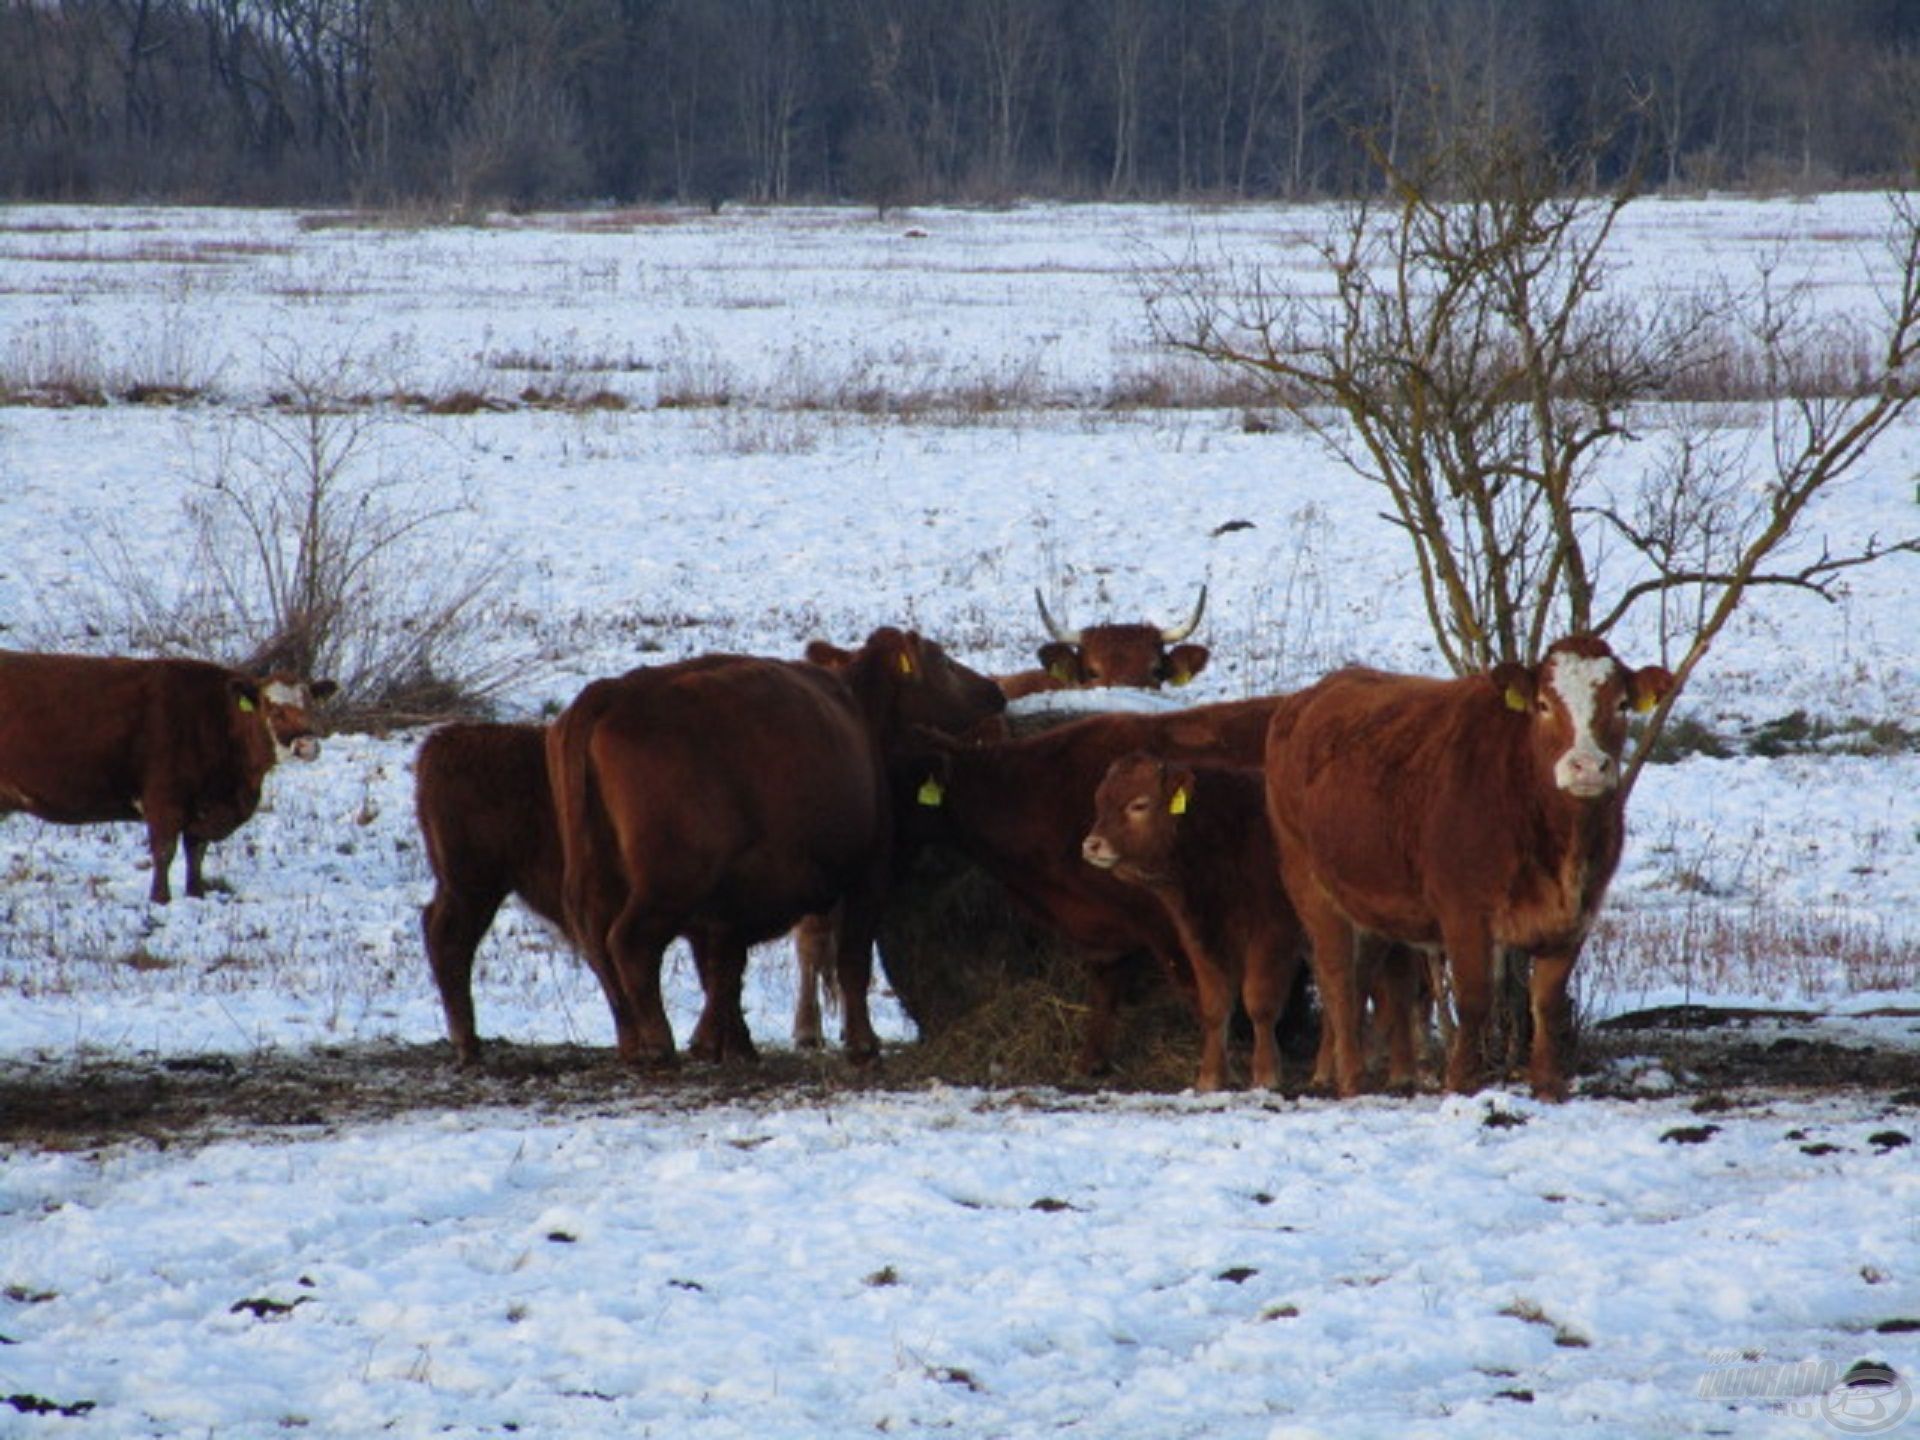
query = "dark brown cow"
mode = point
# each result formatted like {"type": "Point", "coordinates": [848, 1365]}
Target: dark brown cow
{"type": "Point", "coordinates": [1137, 655]}
{"type": "Point", "coordinates": [724, 798]}
{"type": "Point", "coordinates": [487, 820]}
{"type": "Point", "coordinates": [1020, 810]}
{"type": "Point", "coordinates": [1460, 814]}
{"type": "Point", "coordinates": [184, 745]}
{"type": "Point", "coordinates": [816, 990]}
{"type": "Point", "coordinates": [1196, 838]}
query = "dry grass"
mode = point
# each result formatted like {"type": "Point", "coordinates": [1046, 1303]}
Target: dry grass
{"type": "Point", "coordinates": [1754, 950]}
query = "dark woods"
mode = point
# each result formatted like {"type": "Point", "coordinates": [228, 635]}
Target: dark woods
{"type": "Point", "coordinates": [528, 102]}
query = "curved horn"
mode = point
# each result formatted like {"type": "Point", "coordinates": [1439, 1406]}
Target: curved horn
{"type": "Point", "coordinates": [1175, 633]}
{"type": "Point", "coordinates": [1065, 637]}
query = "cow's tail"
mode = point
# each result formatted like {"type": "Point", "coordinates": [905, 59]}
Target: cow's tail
{"type": "Point", "coordinates": [568, 760]}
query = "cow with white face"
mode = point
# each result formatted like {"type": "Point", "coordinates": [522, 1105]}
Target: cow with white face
{"type": "Point", "coordinates": [181, 745]}
{"type": "Point", "coordinates": [1460, 815]}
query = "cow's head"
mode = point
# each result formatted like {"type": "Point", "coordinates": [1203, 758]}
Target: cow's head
{"type": "Point", "coordinates": [287, 705]}
{"type": "Point", "coordinates": [913, 681]}
{"type": "Point", "coordinates": [1577, 700]}
{"type": "Point", "coordinates": [1140, 655]}
{"type": "Point", "coordinates": [1136, 816]}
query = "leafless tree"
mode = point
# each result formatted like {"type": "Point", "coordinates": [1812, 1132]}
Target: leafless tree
{"type": "Point", "coordinates": [1475, 364]}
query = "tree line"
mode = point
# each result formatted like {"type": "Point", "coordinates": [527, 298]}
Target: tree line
{"type": "Point", "coordinates": [532, 102]}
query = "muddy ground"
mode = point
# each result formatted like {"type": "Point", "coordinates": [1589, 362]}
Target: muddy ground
{"type": "Point", "coordinates": [1719, 1059]}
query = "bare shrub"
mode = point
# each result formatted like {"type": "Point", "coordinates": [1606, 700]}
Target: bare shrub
{"type": "Point", "coordinates": [313, 550]}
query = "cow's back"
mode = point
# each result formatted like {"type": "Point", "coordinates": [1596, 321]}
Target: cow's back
{"type": "Point", "coordinates": [730, 786]}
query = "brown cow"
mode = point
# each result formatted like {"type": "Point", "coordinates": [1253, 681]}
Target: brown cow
{"type": "Point", "coordinates": [1130, 654]}
{"type": "Point", "coordinates": [182, 744]}
{"type": "Point", "coordinates": [486, 817]}
{"type": "Point", "coordinates": [1020, 810]}
{"type": "Point", "coordinates": [1459, 814]}
{"type": "Point", "coordinates": [1196, 838]}
{"type": "Point", "coordinates": [725, 797]}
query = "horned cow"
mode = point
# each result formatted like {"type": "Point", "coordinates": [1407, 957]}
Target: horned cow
{"type": "Point", "coordinates": [1114, 653]}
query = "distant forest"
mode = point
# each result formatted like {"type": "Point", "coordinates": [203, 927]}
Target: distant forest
{"type": "Point", "coordinates": [539, 102]}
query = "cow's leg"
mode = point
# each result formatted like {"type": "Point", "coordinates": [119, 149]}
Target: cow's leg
{"type": "Point", "coordinates": [1263, 992]}
{"type": "Point", "coordinates": [856, 920]}
{"type": "Point", "coordinates": [163, 839]}
{"type": "Point", "coordinates": [1396, 990]}
{"type": "Point", "coordinates": [721, 1033]}
{"type": "Point", "coordinates": [1214, 1000]}
{"type": "Point", "coordinates": [1470, 956]}
{"type": "Point", "coordinates": [1103, 1016]}
{"type": "Point", "coordinates": [453, 924]}
{"type": "Point", "coordinates": [636, 942]}
{"type": "Point", "coordinates": [1548, 994]}
{"type": "Point", "coordinates": [813, 943]}
{"type": "Point", "coordinates": [195, 850]}
{"type": "Point", "coordinates": [1342, 1061]}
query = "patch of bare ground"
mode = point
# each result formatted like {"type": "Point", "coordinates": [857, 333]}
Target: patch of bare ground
{"type": "Point", "coordinates": [1721, 1058]}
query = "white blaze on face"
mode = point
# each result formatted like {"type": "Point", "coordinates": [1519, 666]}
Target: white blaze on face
{"type": "Point", "coordinates": [279, 693]}
{"type": "Point", "coordinates": [1585, 768]}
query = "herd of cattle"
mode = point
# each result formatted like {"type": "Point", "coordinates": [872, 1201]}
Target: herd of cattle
{"type": "Point", "coordinates": [1368, 823]}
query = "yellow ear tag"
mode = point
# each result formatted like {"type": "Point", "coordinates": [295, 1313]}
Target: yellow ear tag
{"type": "Point", "coordinates": [1061, 671]}
{"type": "Point", "coordinates": [906, 663]}
{"type": "Point", "coordinates": [1178, 805]}
{"type": "Point", "coordinates": [1180, 677]}
{"type": "Point", "coordinates": [246, 706]}
{"type": "Point", "coordinates": [1515, 700]}
{"type": "Point", "coordinates": [931, 793]}
{"type": "Point", "coordinates": [1645, 702]}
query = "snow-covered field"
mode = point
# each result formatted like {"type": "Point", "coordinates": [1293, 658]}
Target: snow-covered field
{"type": "Point", "coordinates": [860, 1261]}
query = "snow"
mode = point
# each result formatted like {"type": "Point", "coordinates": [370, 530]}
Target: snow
{"type": "Point", "coordinates": [856, 1260]}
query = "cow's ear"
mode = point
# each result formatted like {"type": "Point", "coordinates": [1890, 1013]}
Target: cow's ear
{"type": "Point", "coordinates": [896, 651]}
{"type": "Point", "coordinates": [323, 689]}
{"type": "Point", "coordinates": [1186, 661]}
{"type": "Point", "coordinates": [827, 654]}
{"type": "Point", "coordinates": [1061, 661]}
{"type": "Point", "coordinates": [246, 694]}
{"type": "Point", "coordinates": [908, 661]}
{"type": "Point", "coordinates": [1515, 684]}
{"type": "Point", "coordinates": [1648, 686]}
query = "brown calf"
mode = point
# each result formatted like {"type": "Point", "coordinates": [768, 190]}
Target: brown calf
{"type": "Point", "coordinates": [1196, 838]}
{"type": "Point", "coordinates": [486, 817]}
{"type": "Point", "coordinates": [1020, 810]}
